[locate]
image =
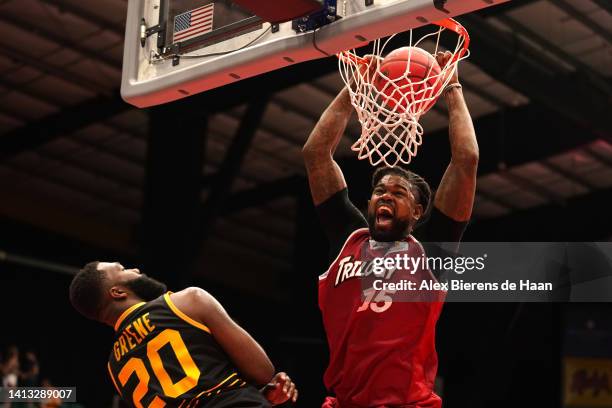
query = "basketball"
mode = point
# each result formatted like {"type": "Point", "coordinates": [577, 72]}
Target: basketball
{"type": "Point", "coordinates": [399, 79]}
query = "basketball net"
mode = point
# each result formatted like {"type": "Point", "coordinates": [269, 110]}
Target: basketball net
{"type": "Point", "coordinates": [390, 130]}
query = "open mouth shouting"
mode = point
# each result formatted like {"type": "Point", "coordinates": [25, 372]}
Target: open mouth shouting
{"type": "Point", "coordinates": [384, 216]}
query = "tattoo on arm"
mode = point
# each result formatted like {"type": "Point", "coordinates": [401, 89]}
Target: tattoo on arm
{"type": "Point", "coordinates": [324, 174]}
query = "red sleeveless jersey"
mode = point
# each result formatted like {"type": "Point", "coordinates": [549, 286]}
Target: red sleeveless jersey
{"type": "Point", "coordinates": [382, 351]}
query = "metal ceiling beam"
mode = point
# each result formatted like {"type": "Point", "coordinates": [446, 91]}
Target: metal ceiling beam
{"type": "Point", "coordinates": [503, 8]}
{"type": "Point", "coordinates": [54, 101]}
{"type": "Point", "coordinates": [482, 94]}
{"type": "Point", "coordinates": [604, 4]}
{"type": "Point", "coordinates": [550, 223]}
{"type": "Point", "coordinates": [567, 174]}
{"type": "Point", "coordinates": [265, 219]}
{"type": "Point", "coordinates": [40, 64]}
{"type": "Point", "coordinates": [215, 160]}
{"type": "Point", "coordinates": [263, 193]}
{"type": "Point", "coordinates": [580, 66]}
{"type": "Point", "coordinates": [266, 128]}
{"type": "Point", "coordinates": [584, 19]}
{"type": "Point", "coordinates": [79, 188]}
{"type": "Point", "coordinates": [119, 129]}
{"type": "Point", "coordinates": [22, 88]}
{"type": "Point", "coordinates": [69, 159]}
{"type": "Point", "coordinates": [70, 7]}
{"type": "Point", "coordinates": [206, 180]}
{"type": "Point", "coordinates": [127, 157]}
{"type": "Point", "coordinates": [20, 23]}
{"type": "Point", "coordinates": [69, 120]}
{"type": "Point", "coordinates": [533, 188]}
{"type": "Point", "coordinates": [511, 60]}
{"type": "Point", "coordinates": [598, 156]}
{"type": "Point", "coordinates": [509, 138]}
{"type": "Point", "coordinates": [26, 223]}
{"type": "Point", "coordinates": [100, 109]}
{"type": "Point", "coordinates": [280, 158]}
{"type": "Point", "coordinates": [254, 238]}
{"type": "Point", "coordinates": [230, 168]}
{"type": "Point", "coordinates": [496, 200]}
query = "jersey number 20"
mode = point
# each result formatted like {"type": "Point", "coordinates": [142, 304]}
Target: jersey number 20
{"type": "Point", "coordinates": [171, 389]}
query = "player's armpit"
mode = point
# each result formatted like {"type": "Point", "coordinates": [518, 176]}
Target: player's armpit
{"type": "Point", "coordinates": [247, 355]}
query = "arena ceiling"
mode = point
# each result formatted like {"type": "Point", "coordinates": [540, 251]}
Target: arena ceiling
{"type": "Point", "coordinates": [73, 154]}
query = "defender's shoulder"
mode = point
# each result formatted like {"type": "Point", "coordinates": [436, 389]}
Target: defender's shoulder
{"type": "Point", "coordinates": [192, 296]}
{"type": "Point", "coordinates": [193, 304]}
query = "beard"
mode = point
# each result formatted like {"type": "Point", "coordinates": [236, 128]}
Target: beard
{"type": "Point", "coordinates": [398, 231]}
{"type": "Point", "coordinates": [146, 288]}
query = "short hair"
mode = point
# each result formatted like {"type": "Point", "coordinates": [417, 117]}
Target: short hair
{"type": "Point", "coordinates": [86, 290]}
{"type": "Point", "coordinates": [417, 182]}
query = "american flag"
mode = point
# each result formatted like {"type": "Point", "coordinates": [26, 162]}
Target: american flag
{"type": "Point", "coordinates": [193, 23]}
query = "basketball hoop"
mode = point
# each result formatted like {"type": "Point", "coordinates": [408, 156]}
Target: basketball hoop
{"type": "Point", "coordinates": [389, 106]}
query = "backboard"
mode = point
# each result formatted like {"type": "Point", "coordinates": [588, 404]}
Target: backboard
{"type": "Point", "coordinates": [177, 48]}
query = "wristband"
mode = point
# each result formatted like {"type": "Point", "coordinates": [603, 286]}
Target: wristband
{"type": "Point", "coordinates": [451, 86]}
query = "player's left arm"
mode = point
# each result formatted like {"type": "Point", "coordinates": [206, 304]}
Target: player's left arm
{"type": "Point", "coordinates": [246, 354]}
{"type": "Point", "coordinates": [455, 195]}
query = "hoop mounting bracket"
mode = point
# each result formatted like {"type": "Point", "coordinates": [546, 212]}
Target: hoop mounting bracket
{"type": "Point", "coordinates": [439, 4]}
{"type": "Point", "coordinates": [146, 32]}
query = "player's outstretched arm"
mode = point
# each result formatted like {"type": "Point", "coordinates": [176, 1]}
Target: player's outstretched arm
{"type": "Point", "coordinates": [248, 356]}
{"type": "Point", "coordinates": [455, 195]}
{"type": "Point", "coordinates": [324, 174]}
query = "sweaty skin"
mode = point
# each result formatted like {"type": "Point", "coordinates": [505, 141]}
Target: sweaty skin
{"type": "Point", "coordinates": [455, 194]}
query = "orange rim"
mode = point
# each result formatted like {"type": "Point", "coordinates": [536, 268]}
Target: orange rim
{"type": "Point", "coordinates": [448, 23]}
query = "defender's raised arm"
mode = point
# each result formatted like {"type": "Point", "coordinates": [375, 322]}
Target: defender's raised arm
{"type": "Point", "coordinates": [242, 349]}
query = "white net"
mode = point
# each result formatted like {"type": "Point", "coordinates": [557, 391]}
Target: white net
{"type": "Point", "coordinates": [389, 106]}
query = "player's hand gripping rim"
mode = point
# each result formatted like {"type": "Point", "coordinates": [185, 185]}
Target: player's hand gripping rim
{"type": "Point", "coordinates": [443, 58]}
{"type": "Point", "coordinates": [368, 68]}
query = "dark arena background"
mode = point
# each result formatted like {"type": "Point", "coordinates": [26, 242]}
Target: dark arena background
{"type": "Point", "coordinates": [210, 191]}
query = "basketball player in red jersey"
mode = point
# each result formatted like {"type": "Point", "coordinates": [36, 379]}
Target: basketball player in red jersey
{"type": "Point", "coordinates": [382, 353]}
{"type": "Point", "coordinates": [175, 349]}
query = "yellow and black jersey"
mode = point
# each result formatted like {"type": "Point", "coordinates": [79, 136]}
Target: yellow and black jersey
{"type": "Point", "coordinates": [161, 357]}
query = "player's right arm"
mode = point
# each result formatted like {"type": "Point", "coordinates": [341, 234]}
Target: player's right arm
{"type": "Point", "coordinates": [324, 174]}
{"type": "Point", "coordinates": [246, 354]}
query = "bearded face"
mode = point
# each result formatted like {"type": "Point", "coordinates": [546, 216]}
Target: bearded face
{"type": "Point", "coordinates": [146, 288]}
{"type": "Point", "coordinates": [392, 209]}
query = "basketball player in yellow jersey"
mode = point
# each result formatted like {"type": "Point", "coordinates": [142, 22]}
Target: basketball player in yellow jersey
{"type": "Point", "coordinates": [175, 349]}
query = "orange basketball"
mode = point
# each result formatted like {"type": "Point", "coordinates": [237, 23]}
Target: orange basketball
{"type": "Point", "coordinates": [395, 66]}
